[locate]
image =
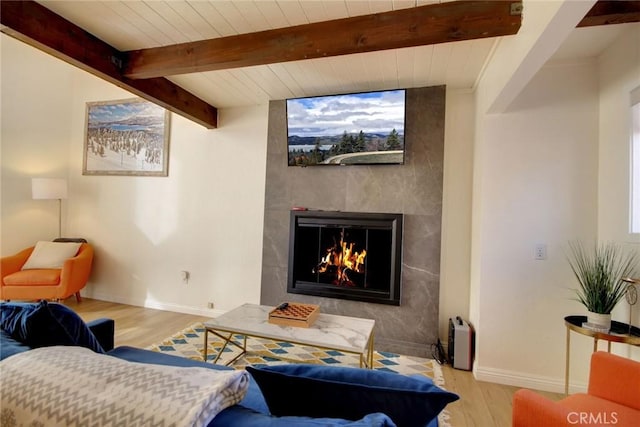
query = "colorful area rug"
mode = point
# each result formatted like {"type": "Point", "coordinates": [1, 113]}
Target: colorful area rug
{"type": "Point", "coordinates": [189, 343]}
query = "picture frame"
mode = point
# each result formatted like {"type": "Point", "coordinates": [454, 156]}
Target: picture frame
{"type": "Point", "coordinates": [126, 137]}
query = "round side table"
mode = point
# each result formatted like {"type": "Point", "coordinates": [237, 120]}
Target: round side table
{"type": "Point", "coordinates": [619, 332]}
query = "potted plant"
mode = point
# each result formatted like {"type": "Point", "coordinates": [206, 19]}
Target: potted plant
{"type": "Point", "coordinates": [600, 273]}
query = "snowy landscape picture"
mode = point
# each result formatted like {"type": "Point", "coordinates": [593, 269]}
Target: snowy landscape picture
{"type": "Point", "coordinates": [126, 137]}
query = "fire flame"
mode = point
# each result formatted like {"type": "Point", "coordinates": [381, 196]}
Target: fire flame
{"type": "Point", "coordinates": [343, 259]}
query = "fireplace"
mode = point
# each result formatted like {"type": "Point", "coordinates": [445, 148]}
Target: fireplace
{"type": "Point", "coordinates": [347, 255]}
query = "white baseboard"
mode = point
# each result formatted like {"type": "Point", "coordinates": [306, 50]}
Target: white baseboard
{"type": "Point", "coordinates": [517, 379]}
{"type": "Point", "coordinates": [158, 305]}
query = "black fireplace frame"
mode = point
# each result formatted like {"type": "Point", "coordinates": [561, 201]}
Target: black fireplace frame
{"type": "Point", "coordinates": [354, 220]}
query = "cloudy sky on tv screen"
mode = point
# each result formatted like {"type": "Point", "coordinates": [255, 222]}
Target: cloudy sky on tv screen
{"type": "Point", "coordinates": [370, 112]}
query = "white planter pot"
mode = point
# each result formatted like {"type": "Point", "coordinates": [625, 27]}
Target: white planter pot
{"type": "Point", "coordinates": [601, 321]}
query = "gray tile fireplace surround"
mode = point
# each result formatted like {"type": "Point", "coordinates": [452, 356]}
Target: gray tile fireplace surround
{"type": "Point", "coordinates": [413, 189]}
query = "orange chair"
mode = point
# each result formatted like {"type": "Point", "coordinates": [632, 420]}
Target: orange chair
{"type": "Point", "coordinates": [613, 398]}
{"type": "Point", "coordinates": [49, 284]}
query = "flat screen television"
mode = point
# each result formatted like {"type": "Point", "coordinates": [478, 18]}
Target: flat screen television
{"type": "Point", "coordinates": [354, 129]}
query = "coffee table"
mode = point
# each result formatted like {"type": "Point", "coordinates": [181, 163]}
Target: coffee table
{"type": "Point", "coordinates": [332, 332]}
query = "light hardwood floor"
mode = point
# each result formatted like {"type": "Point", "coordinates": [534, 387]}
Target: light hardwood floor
{"type": "Point", "coordinates": [481, 403]}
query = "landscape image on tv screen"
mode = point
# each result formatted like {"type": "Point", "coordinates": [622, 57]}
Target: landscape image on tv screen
{"type": "Point", "coordinates": [352, 129]}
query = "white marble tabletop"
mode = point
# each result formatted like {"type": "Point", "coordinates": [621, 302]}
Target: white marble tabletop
{"type": "Point", "coordinates": [344, 333]}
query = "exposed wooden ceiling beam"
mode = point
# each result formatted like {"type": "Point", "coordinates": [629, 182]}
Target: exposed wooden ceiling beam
{"type": "Point", "coordinates": [416, 26]}
{"type": "Point", "coordinates": [37, 26]}
{"type": "Point", "coordinates": [612, 12]}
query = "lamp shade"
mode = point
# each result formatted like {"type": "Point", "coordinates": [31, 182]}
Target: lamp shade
{"type": "Point", "coordinates": [48, 188]}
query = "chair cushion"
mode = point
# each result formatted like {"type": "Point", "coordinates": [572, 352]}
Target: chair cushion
{"type": "Point", "coordinates": [51, 254]}
{"type": "Point", "coordinates": [349, 393]}
{"type": "Point", "coordinates": [40, 277]}
{"type": "Point", "coordinates": [43, 324]}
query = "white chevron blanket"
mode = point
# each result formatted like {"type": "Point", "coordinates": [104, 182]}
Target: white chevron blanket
{"type": "Point", "coordinates": [73, 386]}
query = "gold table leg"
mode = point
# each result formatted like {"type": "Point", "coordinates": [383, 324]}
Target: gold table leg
{"type": "Point", "coordinates": [371, 351]}
{"type": "Point", "coordinates": [566, 363]}
{"type": "Point", "coordinates": [206, 336]}
{"type": "Point", "coordinates": [227, 340]}
{"type": "Point", "coordinates": [366, 358]}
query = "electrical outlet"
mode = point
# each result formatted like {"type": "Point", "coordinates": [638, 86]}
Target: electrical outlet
{"type": "Point", "coordinates": [541, 251]}
{"type": "Point", "coordinates": [210, 305]}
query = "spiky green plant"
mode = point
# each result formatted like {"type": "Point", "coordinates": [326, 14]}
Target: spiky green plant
{"type": "Point", "coordinates": [600, 272]}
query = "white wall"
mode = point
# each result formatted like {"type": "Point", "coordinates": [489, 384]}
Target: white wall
{"type": "Point", "coordinates": [554, 168]}
{"type": "Point", "coordinates": [456, 209]}
{"type": "Point", "coordinates": [206, 217]}
{"type": "Point", "coordinates": [35, 136]}
{"type": "Point", "coordinates": [539, 185]}
{"type": "Point", "coordinates": [619, 74]}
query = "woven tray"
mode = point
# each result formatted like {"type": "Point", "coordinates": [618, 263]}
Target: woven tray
{"type": "Point", "coordinates": [295, 314]}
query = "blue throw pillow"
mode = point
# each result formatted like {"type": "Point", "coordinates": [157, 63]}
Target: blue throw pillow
{"type": "Point", "coordinates": [14, 317]}
{"type": "Point", "coordinates": [74, 326]}
{"type": "Point", "coordinates": [349, 393]}
{"type": "Point", "coordinates": [44, 325]}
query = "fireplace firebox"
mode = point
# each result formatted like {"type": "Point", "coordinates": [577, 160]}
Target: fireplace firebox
{"type": "Point", "coordinates": [347, 255]}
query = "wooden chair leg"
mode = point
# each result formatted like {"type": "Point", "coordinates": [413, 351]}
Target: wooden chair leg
{"type": "Point", "coordinates": [78, 298]}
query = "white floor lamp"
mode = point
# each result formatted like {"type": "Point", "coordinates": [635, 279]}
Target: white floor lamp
{"type": "Point", "coordinates": [50, 189]}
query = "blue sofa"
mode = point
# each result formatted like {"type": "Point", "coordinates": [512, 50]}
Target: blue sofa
{"type": "Point", "coordinates": [375, 394]}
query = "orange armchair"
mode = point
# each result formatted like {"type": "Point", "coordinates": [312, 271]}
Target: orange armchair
{"type": "Point", "coordinates": [613, 398]}
{"type": "Point", "coordinates": [50, 284]}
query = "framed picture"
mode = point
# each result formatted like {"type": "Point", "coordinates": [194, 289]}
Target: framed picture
{"type": "Point", "coordinates": [126, 137]}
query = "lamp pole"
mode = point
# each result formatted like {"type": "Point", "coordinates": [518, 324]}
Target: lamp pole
{"type": "Point", "coordinates": [59, 218]}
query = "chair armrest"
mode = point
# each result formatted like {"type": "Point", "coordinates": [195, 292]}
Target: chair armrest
{"type": "Point", "coordinates": [75, 271]}
{"type": "Point", "coordinates": [615, 378]}
{"type": "Point", "coordinates": [531, 409]}
{"type": "Point", "coordinates": [12, 263]}
{"type": "Point", "coordinates": [104, 331]}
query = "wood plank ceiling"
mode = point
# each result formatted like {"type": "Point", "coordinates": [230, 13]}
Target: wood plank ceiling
{"type": "Point", "coordinates": [133, 25]}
